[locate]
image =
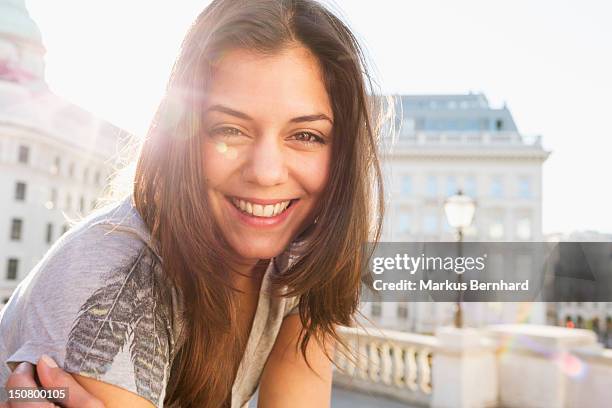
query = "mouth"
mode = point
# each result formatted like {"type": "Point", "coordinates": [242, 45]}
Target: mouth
{"type": "Point", "coordinates": [261, 208]}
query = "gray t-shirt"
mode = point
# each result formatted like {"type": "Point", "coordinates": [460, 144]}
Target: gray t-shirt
{"type": "Point", "coordinates": [99, 304]}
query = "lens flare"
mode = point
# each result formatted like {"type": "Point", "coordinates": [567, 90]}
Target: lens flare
{"type": "Point", "coordinates": [221, 147]}
{"type": "Point", "coordinates": [228, 152]}
{"type": "Point", "coordinates": [571, 365]}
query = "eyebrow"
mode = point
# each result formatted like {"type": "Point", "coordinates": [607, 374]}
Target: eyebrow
{"type": "Point", "coordinates": [242, 115]}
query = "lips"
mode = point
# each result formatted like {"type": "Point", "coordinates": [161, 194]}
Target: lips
{"type": "Point", "coordinates": [262, 221]}
{"type": "Point", "coordinates": [260, 208]}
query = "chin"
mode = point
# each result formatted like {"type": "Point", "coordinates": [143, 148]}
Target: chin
{"type": "Point", "coordinates": [258, 251]}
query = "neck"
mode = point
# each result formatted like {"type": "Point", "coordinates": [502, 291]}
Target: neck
{"type": "Point", "coordinates": [247, 276]}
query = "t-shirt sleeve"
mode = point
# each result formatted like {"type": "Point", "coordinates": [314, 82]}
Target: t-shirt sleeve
{"type": "Point", "coordinates": [98, 305]}
{"type": "Point", "coordinates": [292, 306]}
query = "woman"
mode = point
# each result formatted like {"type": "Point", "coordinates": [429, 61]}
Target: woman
{"type": "Point", "coordinates": [240, 249]}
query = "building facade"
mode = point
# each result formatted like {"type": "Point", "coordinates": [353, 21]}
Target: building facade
{"type": "Point", "coordinates": [55, 158]}
{"type": "Point", "coordinates": [446, 143]}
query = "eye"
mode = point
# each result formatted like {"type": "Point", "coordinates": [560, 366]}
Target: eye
{"type": "Point", "coordinates": [308, 138]}
{"type": "Point", "coordinates": [226, 131]}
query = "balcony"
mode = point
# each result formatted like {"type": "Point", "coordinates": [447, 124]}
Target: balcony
{"type": "Point", "coordinates": [460, 144]}
{"type": "Point", "coordinates": [468, 139]}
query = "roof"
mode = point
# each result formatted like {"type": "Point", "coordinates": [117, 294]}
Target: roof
{"type": "Point", "coordinates": [39, 109]}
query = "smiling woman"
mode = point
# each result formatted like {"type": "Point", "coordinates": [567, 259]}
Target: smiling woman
{"type": "Point", "coordinates": [276, 153]}
{"type": "Point", "coordinates": [240, 248]}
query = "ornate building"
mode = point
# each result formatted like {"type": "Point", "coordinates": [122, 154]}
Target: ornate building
{"type": "Point", "coordinates": [445, 143]}
{"type": "Point", "coordinates": [54, 156]}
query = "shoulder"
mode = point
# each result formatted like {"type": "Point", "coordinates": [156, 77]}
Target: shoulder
{"type": "Point", "coordinates": [111, 239]}
{"type": "Point", "coordinates": [118, 222]}
{"type": "Point", "coordinates": [108, 310]}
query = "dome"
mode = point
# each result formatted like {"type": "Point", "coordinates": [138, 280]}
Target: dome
{"type": "Point", "coordinates": [21, 49]}
{"type": "Point", "coordinates": [16, 21]}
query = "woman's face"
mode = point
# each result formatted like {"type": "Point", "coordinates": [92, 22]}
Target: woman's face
{"type": "Point", "coordinates": [267, 129]}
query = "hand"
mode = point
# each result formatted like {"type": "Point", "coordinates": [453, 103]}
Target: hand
{"type": "Point", "coordinates": [50, 376]}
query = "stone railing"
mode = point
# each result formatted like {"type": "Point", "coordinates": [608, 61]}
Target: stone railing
{"type": "Point", "coordinates": [510, 366]}
{"type": "Point", "coordinates": [469, 138]}
{"type": "Point", "coordinates": [388, 363]}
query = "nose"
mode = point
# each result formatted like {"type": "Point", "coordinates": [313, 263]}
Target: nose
{"type": "Point", "coordinates": [266, 164]}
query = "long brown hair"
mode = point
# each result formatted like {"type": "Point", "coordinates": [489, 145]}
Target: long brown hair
{"type": "Point", "coordinates": [169, 189]}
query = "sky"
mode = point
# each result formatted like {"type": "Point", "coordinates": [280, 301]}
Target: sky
{"type": "Point", "coordinates": [549, 61]}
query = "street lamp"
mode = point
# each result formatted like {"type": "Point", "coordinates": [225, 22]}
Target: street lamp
{"type": "Point", "coordinates": [459, 210]}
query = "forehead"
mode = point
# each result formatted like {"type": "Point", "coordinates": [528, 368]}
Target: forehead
{"type": "Point", "coordinates": [288, 83]}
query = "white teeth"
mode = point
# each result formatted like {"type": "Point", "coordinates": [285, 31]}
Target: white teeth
{"type": "Point", "coordinates": [268, 210]}
{"type": "Point", "coordinates": [258, 210]}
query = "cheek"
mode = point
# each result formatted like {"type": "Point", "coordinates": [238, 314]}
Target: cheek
{"type": "Point", "coordinates": [313, 171]}
{"type": "Point", "coordinates": [218, 163]}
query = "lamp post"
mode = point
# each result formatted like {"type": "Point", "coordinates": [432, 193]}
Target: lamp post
{"type": "Point", "coordinates": [459, 210]}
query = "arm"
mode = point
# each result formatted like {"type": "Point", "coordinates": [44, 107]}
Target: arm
{"type": "Point", "coordinates": [80, 305]}
{"type": "Point", "coordinates": [83, 392]}
{"type": "Point", "coordinates": [287, 379]}
{"type": "Point", "coordinates": [111, 395]}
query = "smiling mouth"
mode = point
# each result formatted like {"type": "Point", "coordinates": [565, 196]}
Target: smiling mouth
{"type": "Point", "coordinates": [261, 210]}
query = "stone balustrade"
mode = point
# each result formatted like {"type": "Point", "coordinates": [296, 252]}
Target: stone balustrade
{"type": "Point", "coordinates": [389, 363]}
{"type": "Point", "coordinates": [527, 366]}
{"type": "Point", "coordinates": [469, 138]}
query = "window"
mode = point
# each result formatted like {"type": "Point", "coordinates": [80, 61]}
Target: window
{"type": "Point", "coordinates": [56, 165]}
{"type": "Point", "coordinates": [86, 175]}
{"type": "Point", "coordinates": [24, 154]}
{"type": "Point", "coordinates": [408, 125]}
{"type": "Point", "coordinates": [499, 124]}
{"type": "Point", "coordinates": [97, 178]}
{"type": "Point", "coordinates": [432, 187]}
{"type": "Point", "coordinates": [65, 228]}
{"type": "Point", "coordinates": [12, 269]}
{"type": "Point", "coordinates": [20, 191]}
{"type": "Point", "coordinates": [68, 201]}
{"type": "Point", "coordinates": [49, 236]}
{"type": "Point", "coordinates": [524, 187]}
{"type": "Point", "coordinates": [71, 170]}
{"type": "Point", "coordinates": [376, 309]}
{"type": "Point", "coordinates": [406, 187]}
{"type": "Point", "coordinates": [93, 204]}
{"type": "Point", "coordinates": [496, 187]}
{"type": "Point", "coordinates": [523, 229]}
{"type": "Point", "coordinates": [404, 226]}
{"type": "Point", "coordinates": [430, 224]}
{"type": "Point", "coordinates": [82, 204]}
{"type": "Point", "coordinates": [470, 186]}
{"type": "Point", "coordinates": [16, 227]}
